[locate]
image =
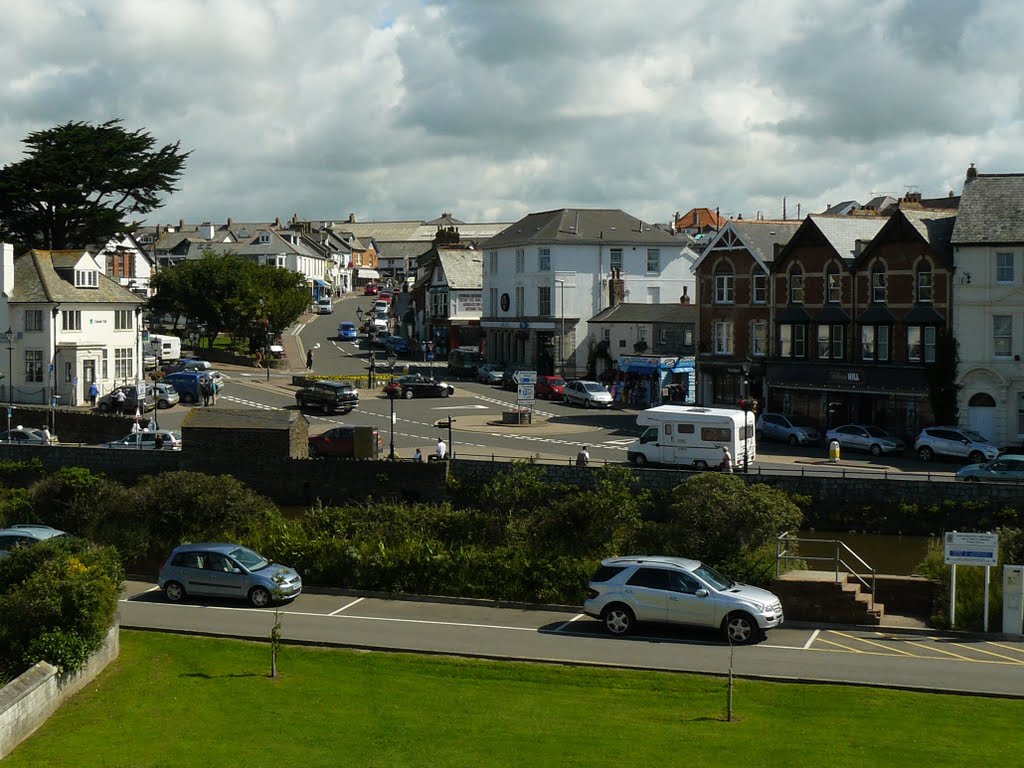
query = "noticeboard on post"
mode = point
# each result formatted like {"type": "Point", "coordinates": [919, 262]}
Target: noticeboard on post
{"type": "Point", "coordinates": [971, 548]}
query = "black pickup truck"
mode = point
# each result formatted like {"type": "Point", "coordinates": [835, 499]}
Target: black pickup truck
{"type": "Point", "coordinates": [328, 396]}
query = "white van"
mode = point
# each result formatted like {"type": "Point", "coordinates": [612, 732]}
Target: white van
{"type": "Point", "coordinates": [164, 347]}
{"type": "Point", "coordinates": [691, 435]}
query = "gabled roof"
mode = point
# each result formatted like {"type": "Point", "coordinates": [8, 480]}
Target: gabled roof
{"type": "Point", "coordinates": [933, 227]}
{"type": "Point", "coordinates": [700, 218]}
{"type": "Point", "coordinates": [36, 281]}
{"type": "Point", "coordinates": [880, 203]}
{"type": "Point", "coordinates": [583, 226]}
{"type": "Point", "coordinates": [647, 313]}
{"type": "Point", "coordinates": [991, 210]}
{"type": "Point", "coordinates": [757, 236]}
{"type": "Point", "coordinates": [463, 268]}
{"type": "Point", "coordinates": [841, 209]}
{"type": "Point", "coordinates": [844, 232]}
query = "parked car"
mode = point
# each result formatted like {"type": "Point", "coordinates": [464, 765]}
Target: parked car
{"type": "Point", "coordinates": [188, 385]}
{"type": "Point", "coordinates": [131, 400]}
{"type": "Point", "coordinates": [347, 442]}
{"type": "Point", "coordinates": [464, 362]}
{"type": "Point", "coordinates": [954, 442]}
{"type": "Point", "coordinates": [865, 437]}
{"type": "Point", "coordinates": [370, 289]}
{"type": "Point", "coordinates": [398, 345]}
{"type": "Point", "coordinates": [549, 388]}
{"type": "Point", "coordinates": [508, 376]}
{"type": "Point", "coordinates": [418, 385]}
{"type": "Point", "coordinates": [1008, 468]}
{"type": "Point", "coordinates": [187, 364]}
{"type": "Point", "coordinates": [226, 570]}
{"type": "Point", "coordinates": [25, 535]}
{"type": "Point", "coordinates": [146, 440]}
{"type": "Point", "coordinates": [676, 590]}
{"type": "Point", "coordinates": [347, 332]}
{"type": "Point", "coordinates": [787, 428]}
{"type": "Point", "coordinates": [589, 394]}
{"type": "Point", "coordinates": [489, 373]}
{"type": "Point", "coordinates": [166, 395]}
{"type": "Point", "coordinates": [328, 396]}
{"type": "Point", "coordinates": [324, 307]}
{"type": "Point", "coordinates": [381, 307]}
{"type": "Point", "coordinates": [27, 436]}
{"type": "Point", "coordinates": [380, 339]}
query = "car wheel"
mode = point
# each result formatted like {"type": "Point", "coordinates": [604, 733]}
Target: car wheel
{"type": "Point", "coordinates": [586, 403]}
{"type": "Point", "coordinates": [174, 592]}
{"type": "Point", "coordinates": [876, 450]}
{"type": "Point", "coordinates": [407, 394]}
{"type": "Point", "coordinates": [701, 464]}
{"type": "Point", "coordinates": [640, 460]}
{"type": "Point", "coordinates": [190, 398]}
{"type": "Point", "coordinates": [793, 441]}
{"type": "Point", "coordinates": [103, 407]}
{"type": "Point", "coordinates": [740, 628]}
{"type": "Point", "coordinates": [975, 457]}
{"type": "Point", "coordinates": [326, 409]}
{"type": "Point", "coordinates": [926, 453]}
{"type": "Point", "coordinates": [162, 405]}
{"type": "Point", "coordinates": [313, 452]}
{"type": "Point", "coordinates": [445, 392]}
{"type": "Point", "coordinates": [259, 597]}
{"type": "Point", "coordinates": [618, 619]}
{"type": "Point", "coordinates": [759, 436]}
{"type": "Point", "coordinates": [300, 402]}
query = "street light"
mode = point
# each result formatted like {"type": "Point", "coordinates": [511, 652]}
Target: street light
{"type": "Point", "coordinates": [746, 404]}
{"type": "Point", "coordinates": [392, 394]}
{"type": "Point", "coordinates": [8, 337]}
{"type": "Point", "coordinates": [561, 338]}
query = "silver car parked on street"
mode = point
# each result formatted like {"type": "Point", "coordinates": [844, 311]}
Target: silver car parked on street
{"type": "Point", "coordinates": [589, 394]}
{"type": "Point", "coordinates": [226, 570]}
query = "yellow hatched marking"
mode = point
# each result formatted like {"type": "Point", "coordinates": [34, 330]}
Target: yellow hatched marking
{"type": "Point", "coordinates": [949, 653]}
{"type": "Point", "coordinates": [888, 649]}
{"type": "Point", "coordinates": [1013, 648]}
{"type": "Point", "coordinates": [1000, 655]}
{"type": "Point", "coordinates": [837, 645]}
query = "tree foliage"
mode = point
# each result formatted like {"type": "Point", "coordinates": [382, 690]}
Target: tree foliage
{"type": "Point", "coordinates": [79, 184]}
{"type": "Point", "coordinates": [228, 294]}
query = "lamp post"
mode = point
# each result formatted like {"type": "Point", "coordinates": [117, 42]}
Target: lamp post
{"type": "Point", "coordinates": [392, 394]}
{"type": "Point", "coordinates": [561, 311]}
{"type": "Point", "coordinates": [8, 337]}
{"type": "Point", "coordinates": [745, 402]}
{"type": "Point", "coordinates": [441, 424]}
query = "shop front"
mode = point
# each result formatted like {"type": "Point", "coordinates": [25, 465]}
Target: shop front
{"type": "Point", "coordinates": [726, 383]}
{"type": "Point", "coordinates": [643, 381]}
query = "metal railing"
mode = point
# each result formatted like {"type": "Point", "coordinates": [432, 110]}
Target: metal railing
{"type": "Point", "coordinates": [782, 553]}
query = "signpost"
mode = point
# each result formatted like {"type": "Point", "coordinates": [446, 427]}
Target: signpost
{"type": "Point", "coordinates": [969, 549]}
{"type": "Point", "coordinates": [525, 381]}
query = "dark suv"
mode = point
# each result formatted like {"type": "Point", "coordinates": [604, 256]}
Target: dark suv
{"type": "Point", "coordinates": [328, 396]}
{"type": "Point", "coordinates": [463, 363]}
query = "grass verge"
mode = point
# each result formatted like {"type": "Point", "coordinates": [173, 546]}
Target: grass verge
{"type": "Point", "coordinates": [171, 700]}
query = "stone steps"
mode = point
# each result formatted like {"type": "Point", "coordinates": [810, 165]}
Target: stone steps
{"type": "Point", "coordinates": [817, 596]}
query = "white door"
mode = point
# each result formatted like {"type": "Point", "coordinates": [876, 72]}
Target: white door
{"type": "Point", "coordinates": [982, 419]}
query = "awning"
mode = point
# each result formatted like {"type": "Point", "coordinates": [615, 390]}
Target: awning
{"type": "Point", "coordinates": [370, 274]}
{"type": "Point", "coordinates": [635, 367]}
{"type": "Point", "coordinates": [876, 314]}
{"type": "Point", "coordinates": [321, 283]}
{"type": "Point", "coordinates": [833, 314]}
{"type": "Point", "coordinates": [923, 315]}
{"type": "Point", "coordinates": [793, 315]}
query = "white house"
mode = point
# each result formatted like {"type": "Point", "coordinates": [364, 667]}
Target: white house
{"type": "Point", "coordinates": [547, 274]}
{"type": "Point", "coordinates": [988, 301]}
{"type": "Point", "coordinates": [124, 260]}
{"type": "Point", "coordinates": [69, 325]}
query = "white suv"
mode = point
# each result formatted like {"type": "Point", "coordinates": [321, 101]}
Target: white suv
{"type": "Point", "coordinates": [956, 442]}
{"type": "Point", "coordinates": [675, 590]}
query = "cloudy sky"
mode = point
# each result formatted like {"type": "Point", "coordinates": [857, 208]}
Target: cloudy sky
{"type": "Point", "coordinates": [490, 109]}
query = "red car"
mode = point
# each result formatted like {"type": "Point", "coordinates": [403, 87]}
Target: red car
{"type": "Point", "coordinates": [550, 387]}
{"type": "Point", "coordinates": [370, 289]}
{"type": "Point", "coordinates": [347, 442]}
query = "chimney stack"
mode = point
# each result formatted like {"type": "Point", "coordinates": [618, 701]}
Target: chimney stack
{"type": "Point", "coordinates": [351, 218]}
{"type": "Point", "coordinates": [972, 174]}
{"type": "Point", "coordinates": [230, 222]}
{"type": "Point", "coordinates": [277, 222]}
{"type": "Point", "coordinates": [616, 288]}
{"type": "Point", "coordinates": [685, 298]}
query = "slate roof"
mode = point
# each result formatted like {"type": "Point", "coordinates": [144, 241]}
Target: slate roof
{"type": "Point", "coordinates": [239, 418]}
{"type": "Point", "coordinates": [37, 282]}
{"type": "Point", "coordinates": [843, 232]}
{"type": "Point", "coordinates": [583, 226]}
{"type": "Point", "coordinates": [936, 227]}
{"type": "Point", "coordinates": [418, 231]}
{"type": "Point", "coordinates": [991, 210]}
{"type": "Point", "coordinates": [841, 209]}
{"type": "Point", "coordinates": [760, 237]}
{"type": "Point", "coordinates": [463, 268]}
{"type": "Point", "coordinates": [647, 313]}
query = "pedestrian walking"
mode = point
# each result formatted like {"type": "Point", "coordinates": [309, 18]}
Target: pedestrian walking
{"type": "Point", "coordinates": [158, 441]}
{"type": "Point", "coordinates": [726, 460]}
{"type": "Point", "coordinates": [583, 457]}
{"type": "Point", "coordinates": [94, 392]}
{"type": "Point", "coordinates": [214, 389]}
{"type": "Point", "coordinates": [207, 391]}
{"type": "Point", "coordinates": [309, 359]}
{"type": "Point", "coordinates": [418, 456]}
{"type": "Point", "coordinates": [119, 398]}
{"type": "Point", "coordinates": [45, 433]}
{"type": "Point", "coordinates": [442, 450]}
{"type": "Point", "coordinates": [258, 362]}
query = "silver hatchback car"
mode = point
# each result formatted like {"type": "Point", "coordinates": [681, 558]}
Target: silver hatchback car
{"type": "Point", "coordinates": [676, 590]}
{"type": "Point", "coordinates": [226, 570]}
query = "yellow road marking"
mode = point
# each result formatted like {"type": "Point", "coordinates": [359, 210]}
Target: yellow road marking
{"type": "Point", "coordinates": [950, 653]}
{"type": "Point", "coordinates": [1006, 647]}
{"type": "Point", "coordinates": [1000, 656]}
{"type": "Point", "coordinates": [838, 645]}
{"type": "Point", "coordinates": [877, 644]}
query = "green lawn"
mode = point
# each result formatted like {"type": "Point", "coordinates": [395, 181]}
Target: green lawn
{"type": "Point", "coordinates": [179, 701]}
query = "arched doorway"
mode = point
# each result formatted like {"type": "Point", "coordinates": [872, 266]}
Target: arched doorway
{"type": "Point", "coordinates": [981, 414]}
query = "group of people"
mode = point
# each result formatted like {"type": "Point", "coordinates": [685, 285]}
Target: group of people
{"type": "Point", "coordinates": [440, 451]}
{"type": "Point", "coordinates": [633, 390]}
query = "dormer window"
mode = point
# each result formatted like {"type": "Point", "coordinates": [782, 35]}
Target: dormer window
{"type": "Point", "coordinates": [87, 278]}
{"type": "Point", "coordinates": [264, 238]}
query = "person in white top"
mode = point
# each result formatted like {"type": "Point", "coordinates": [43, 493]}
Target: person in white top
{"type": "Point", "coordinates": [45, 432]}
{"type": "Point", "coordinates": [442, 449]}
{"type": "Point", "coordinates": [726, 460]}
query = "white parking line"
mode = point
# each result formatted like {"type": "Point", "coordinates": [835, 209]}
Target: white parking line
{"type": "Point", "coordinates": [565, 624]}
{"type": "Point", "coordinates": [345, 607]}
{"type": "Point", "coordinates": [811, 639]}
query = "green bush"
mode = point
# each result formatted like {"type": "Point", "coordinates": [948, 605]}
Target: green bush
{"type": "Point", "coordinates": [58, 598]}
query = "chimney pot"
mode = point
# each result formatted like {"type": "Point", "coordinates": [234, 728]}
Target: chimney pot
{"type": "Point", "coordinates": [972, 172]}
{"type": "Point", "coordinates": [351, 218]}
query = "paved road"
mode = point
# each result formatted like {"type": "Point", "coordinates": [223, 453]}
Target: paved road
{"type": "Point", "coordinates": [927, 662]}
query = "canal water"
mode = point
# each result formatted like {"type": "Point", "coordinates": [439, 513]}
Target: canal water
{"type": "Point", "coordinates": [893, 555]}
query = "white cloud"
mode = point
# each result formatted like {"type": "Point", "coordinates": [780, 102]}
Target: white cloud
{"type": "Point", "coordinates": [404, 109]}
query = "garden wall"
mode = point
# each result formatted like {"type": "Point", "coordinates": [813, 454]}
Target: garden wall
{"type": "Point", "coordinates": [27, 701]}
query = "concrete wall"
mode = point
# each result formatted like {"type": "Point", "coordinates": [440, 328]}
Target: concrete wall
{"type": "Point", "coordinates": [27, 702]}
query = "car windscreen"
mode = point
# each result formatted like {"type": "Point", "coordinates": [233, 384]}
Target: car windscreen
{"type": "Point", "coordinates": [800, 421]}
{"type": "Point", "coordinates": [713, 577]}
{"type": "Point", "coordinates": [877, 432]}
{"type": "Point", "coordinates": [974, 436]}
{"type": "Point", "coordinates": [249, 559]}
{"type": "Point", "coordinates": [594, 387]}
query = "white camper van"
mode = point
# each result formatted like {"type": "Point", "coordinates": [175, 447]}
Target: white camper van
{"type": "Point", "coordinates": [165, 348]}
{"type": "Point", "coordinates": [691, 435]}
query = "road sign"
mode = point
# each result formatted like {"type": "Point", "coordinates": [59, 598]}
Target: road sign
{"type": "Point", "coordinates": [526, 377]}
{"type": "Point", "coordinates": [525, 394]}
{"type": "Point", "coordinates": [971, 548]}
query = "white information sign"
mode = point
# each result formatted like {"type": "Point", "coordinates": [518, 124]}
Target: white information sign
{"type": "Point", "coordinates": [525, 394]}
{"type": "Point", "coordinates": [526, 377]}
{"type": "Point", "coordinates": [971, 548]}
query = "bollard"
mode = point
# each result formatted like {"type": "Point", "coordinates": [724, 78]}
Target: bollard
{"type": "Point", "coordinates": [833, 451]}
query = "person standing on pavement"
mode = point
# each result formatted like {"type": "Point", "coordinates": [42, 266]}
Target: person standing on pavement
{"type": "Point", "coordinates": [45, 433]}
{"type": "Point", "coordinates": [94, 392]}
{"type": "Point", "coordinates": [418, 456]}
{"type": "Point", "coordinates": [442, 450]}
{"type": "Point", "coordinates": [119, 398]}
{"type": "Point", "coordinates": [309, 359]}
{"type": "Point", "coordinates": [726, 460]}
{"type": "Point", "coordinates": [583, 457]}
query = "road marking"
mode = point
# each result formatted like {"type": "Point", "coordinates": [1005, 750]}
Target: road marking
{"type": "Point", "coordinates": [876, 644]}
{"type": "Point", "coordinates": [1005, 647]}
{"type": "Point", "coordinates": [345, 607]}
{"type": "Point", "coordinates": [844, 647]}
{"type": "Point", "coordinates": [949, 653]}
{"type": "Point", "coordinates": [565, 624]}
{"type": "Point", "coordinates": [999, 655]}
{"type": "Point", "coordinates": [811, 639]}
{"type": "Point", "coordinates": [623, 441]}
{"type": "Point", "coordinates": [461, 408]}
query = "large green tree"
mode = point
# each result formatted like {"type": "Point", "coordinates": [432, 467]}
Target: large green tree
{"type": "Point", "coordinates": [80, 183]}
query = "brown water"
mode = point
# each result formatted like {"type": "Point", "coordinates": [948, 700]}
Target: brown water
{"type": "Point", "coordinates": [894, 555]}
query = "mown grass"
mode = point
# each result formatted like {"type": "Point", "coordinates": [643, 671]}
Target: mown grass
{"type": "Point", "coordinates": [178, 701]}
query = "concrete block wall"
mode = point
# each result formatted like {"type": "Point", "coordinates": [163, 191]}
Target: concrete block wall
{"type": "Point", "coordinates": [27, 702]}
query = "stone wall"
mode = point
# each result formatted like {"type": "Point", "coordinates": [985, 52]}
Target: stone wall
{"type": "Point", "coordinates": [73, 425]}
{"type": "Point", "coordinates": [27, 702]}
